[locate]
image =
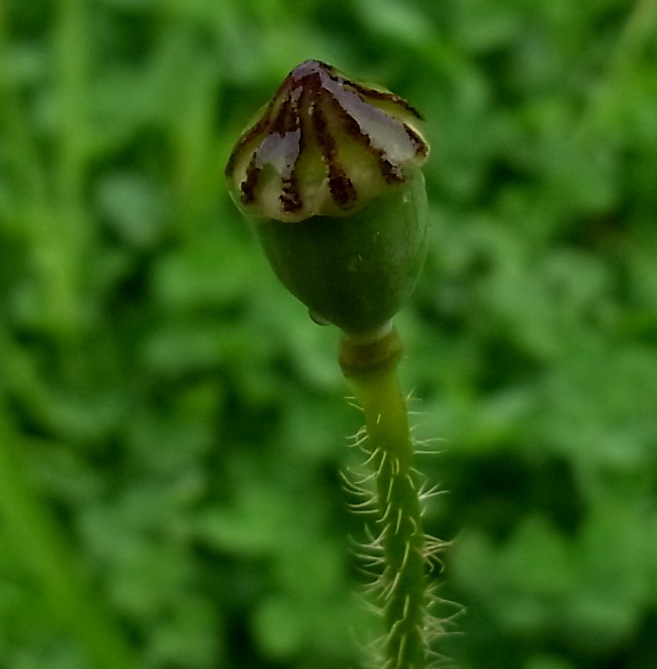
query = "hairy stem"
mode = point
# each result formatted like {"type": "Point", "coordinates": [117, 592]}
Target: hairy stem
{"type": "Point", "coordinates": [371, 369]}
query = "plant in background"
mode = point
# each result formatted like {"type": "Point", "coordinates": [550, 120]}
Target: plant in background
{"type": "Point", "coordinates": [330, 176]}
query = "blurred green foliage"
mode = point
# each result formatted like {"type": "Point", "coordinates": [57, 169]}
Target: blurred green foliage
{"type": "Point", "coordinates": [181, 417]}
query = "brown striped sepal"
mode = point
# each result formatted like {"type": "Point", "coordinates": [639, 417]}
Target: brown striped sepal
{"type": "Point", "coordinates": [324, 146]}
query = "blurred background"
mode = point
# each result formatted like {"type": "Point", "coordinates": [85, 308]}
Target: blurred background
{"type": "Point", "coordinates": [172, 423]}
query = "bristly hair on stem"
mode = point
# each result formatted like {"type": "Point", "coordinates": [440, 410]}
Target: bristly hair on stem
{"type": "Point", "coordinates": [398, 556]}
{"type": "Point", "coordinates": [330, 178]}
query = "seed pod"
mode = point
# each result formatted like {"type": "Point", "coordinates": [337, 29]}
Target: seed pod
{"type": "Point", "coordinates": [330, 176]}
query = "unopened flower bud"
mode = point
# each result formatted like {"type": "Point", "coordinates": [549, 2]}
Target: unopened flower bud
{"type": "Point", "coordinates": [330, 175]}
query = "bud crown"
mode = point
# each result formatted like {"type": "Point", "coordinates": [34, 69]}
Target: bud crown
{"type": "Point", "coordinates": [324, 146]}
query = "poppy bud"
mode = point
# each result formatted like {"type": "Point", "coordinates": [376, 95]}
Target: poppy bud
{"type": "Point", "coordinates": [330, 176]}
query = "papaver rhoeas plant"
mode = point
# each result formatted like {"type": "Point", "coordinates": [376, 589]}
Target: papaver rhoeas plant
{"type": "Point", "coordinates": [330, 177]}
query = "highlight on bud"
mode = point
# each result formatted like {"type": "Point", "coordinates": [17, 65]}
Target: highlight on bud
{"type": "Point", "coordinates": [324, 146]}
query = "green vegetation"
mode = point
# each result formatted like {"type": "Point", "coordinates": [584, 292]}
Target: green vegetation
{"type": "Point", "coordinates": [177, 412]}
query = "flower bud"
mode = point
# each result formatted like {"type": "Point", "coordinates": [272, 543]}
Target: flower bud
{"type": "Point", "coordinates": [330, 176]}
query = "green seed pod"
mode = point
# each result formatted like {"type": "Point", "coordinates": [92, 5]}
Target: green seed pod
{"type": "Point", "coordinates": [330, 176]}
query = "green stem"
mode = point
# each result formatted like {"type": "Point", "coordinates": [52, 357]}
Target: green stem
{"type": "Point", "coordinates": [371, 369]}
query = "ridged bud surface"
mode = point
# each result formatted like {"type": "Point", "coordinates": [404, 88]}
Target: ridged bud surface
{"type": "Point", "coordinates": [330, 175]}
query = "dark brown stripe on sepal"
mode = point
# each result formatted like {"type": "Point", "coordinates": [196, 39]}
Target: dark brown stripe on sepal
{"type": "Point", "coordinates": [250, 183]}
{"type": "Point", "coordinates": [258, 128]}
{"type": "Point", "coordinates": [340, 185]}
{"type": "Point", "coordinates": [389, 171]}
{"type": "Point", "coordinates": [341, 188]}
{"type": "Point", "coordinates": [290, 197]}
{"type": "Point", "coordinates": [421, 146]}
{"type": "Point", "coordinates": [385, 96]}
